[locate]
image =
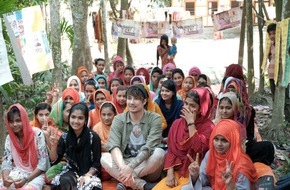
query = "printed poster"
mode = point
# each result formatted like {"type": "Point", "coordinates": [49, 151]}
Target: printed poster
{"type": "Point", "coordinates": [26, 30]}
{"type": "Point", "coordinates": [227, 19]}
{"type": "Point", "coordinates": [126, 29]}
{"type": "Point", "coordinates": [187, 28]}
{"type": "Point", "coordinates": [5, 73]}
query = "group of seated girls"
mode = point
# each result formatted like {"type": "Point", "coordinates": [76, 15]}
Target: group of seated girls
{"type": "Point", "coordinates": [210, 141]}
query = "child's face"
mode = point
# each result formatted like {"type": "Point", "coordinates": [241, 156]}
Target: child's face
{"type": "Point", "coordinates": [121, 97]}
{"type": "Point", "coordinates": [102, 83]}
{"type": "Point", "coordinates": [89, 91]}
{"type": "Point", "coordinates": [100, 98]}
{"type": "Point", "coordinates": [272, 35]}
{"type": "Point", "coordinates": [114, 86]}
{"type": "Point", "coordinates": [173, 42]}
{"type": "Point", "coordinates": [100, 66]}
{"type": "Point", "coordinates": [119, 67]}
{"type": "Point", "coordinates": [107, 115]}
{"type": "Point", "coordinates": [163, 42]}
{"type": "Point", "coordinates": [168, 72]}
{"type": "Point", "coordinates": [128, 76]}
{"type": "Point", "coordinates": [154, 78]}
{"type": "Point", "coordinates": [188, 84]}
{"type": "Point", "coordinates": [178, 79]}
{"type": "Point", "coordinates": [84, 76]}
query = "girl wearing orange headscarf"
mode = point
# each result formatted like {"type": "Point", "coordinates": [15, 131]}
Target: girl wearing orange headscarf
{"type": "Point", "coordinates": [226, 165]}
{"type": "Point", "coordinates": [100, 96]}
{"type": "Point", "coordinates": [25, 155]}
{"type": "Point", "coordinates": [83, 75]}
{"type": "Point", "coordinates": [188, 84]}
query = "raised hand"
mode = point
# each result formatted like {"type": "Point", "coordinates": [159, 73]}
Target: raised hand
{"type": "Point", "coordinates": [188, 115]}
{"type": "Point", "coordinates": [55, 90]}
{"type": "Point", "coordinates": [46, 129]}
{"type": "Point", "coordinates": [194, 165]}
{"type": "Point", "coordinates": [227, 175]}
{"type": "Point", "coordinates": [53, 138]}
{"type": "Point", "coordinates": [88, 100]}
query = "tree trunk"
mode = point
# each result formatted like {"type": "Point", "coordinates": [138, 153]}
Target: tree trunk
{"type": "Point", "coordinates": [121, 51]}
{"type": "Point", "coordinates": [81, 48]}
{"type": "Point", "coordinates": [251, 78]}
{"type": "Point", "coordinates": [2, 128]}
{"type": "Point", "coordinates": [128, 54]}
{"type": "Point", "coordinates": [242, 35]}
{"type": "Point", "coordinates": [279, 101]}
{"type": "Point", "coordinates": [105, 37]}
{"type": "Point", "coordinates": [55, 40]}
{"type": "Point", "coordinates": [261, 51]}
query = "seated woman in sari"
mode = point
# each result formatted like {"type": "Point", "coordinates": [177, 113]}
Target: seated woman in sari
{"type": "Point", "coordinates": [188, 135]}
{"type": "Point", "coordinates": [225, 166]}
{"type": "Point", "coordinates": [81, 148]}
{"type": "Point", "coordinates": [25, 156]}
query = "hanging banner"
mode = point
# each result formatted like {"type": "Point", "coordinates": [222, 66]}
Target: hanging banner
{"type": "Point", "coordinates": [126, 29]}
{"type": "Point", "coordinates": [27, 34]}
{"type": "Point", "coordinates": [187, 28]}
{"type": "Point", "coordinates": [153, 29]}
{"type": "Point", "coordinates": [227, 19]}
{"type": "Point", "coordinates": [5, 73]}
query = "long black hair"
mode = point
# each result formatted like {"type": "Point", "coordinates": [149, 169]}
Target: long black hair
{"type": "Point", "coordinates": [163, 37]}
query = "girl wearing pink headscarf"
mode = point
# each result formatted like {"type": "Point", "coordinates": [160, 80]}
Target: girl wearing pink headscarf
{"type": "Point", "coordinates": [167, 69]}
{"type": "Point", "coordinates": [119, 66]}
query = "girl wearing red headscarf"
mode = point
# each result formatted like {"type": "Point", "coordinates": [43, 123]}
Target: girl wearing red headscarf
{"type": "Point", "coordinates": [226, 165]}
{"type": "Point", "coordinates": [188, 135]}
{"type": "Point", "coordinates": [120, 99]}
{"type": "Point", "coordinates": [25, 155]}
{"type": "Point", "coordinates": [144, 72]}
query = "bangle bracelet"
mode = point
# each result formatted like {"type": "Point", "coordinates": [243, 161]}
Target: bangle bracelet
{"type": "Point", "coordinates": [189, 124]}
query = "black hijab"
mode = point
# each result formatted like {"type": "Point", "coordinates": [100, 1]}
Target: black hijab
{"type": "Point", "coordinates": [78, 149]}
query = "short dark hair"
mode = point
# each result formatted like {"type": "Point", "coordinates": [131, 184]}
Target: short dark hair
{"type": "Point", "coordinates": [137, 91]}
{"type": "Point", "coordinates": [42, 106]}
{"type": "Point", "coordinates": [13, 111]}
{"type": "Point", "coordinates": [98, 59]}
{"type": "Point", "coordinates": [271, 27]}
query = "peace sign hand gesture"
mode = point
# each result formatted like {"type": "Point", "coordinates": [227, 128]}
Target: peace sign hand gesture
{"type": "Point", "coordinates": [227, 175]}
{"type": "Point", "coordinates": [194, 166]}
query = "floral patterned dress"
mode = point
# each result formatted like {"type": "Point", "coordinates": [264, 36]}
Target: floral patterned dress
{"type": "Point", "coordinates": [16, 172]}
